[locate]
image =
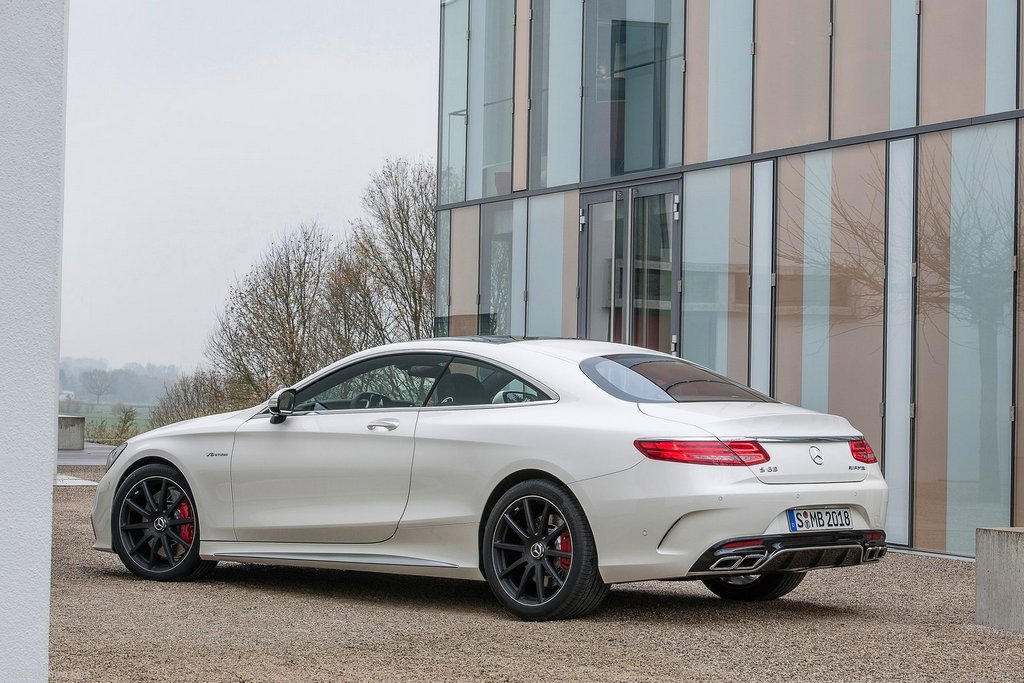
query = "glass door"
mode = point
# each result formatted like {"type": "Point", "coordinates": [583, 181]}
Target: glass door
{"type": "Point", "coordinates": [629, 264]}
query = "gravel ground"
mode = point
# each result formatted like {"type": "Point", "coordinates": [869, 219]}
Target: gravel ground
{"type": "Point", "coordinates": [910, 618]}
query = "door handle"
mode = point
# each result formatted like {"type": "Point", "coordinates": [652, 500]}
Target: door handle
{"type": "Point", "coordinates": [388, 424]}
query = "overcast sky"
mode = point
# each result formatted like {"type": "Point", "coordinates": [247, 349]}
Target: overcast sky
{"type": "Point", "coordinates": [198, 130]}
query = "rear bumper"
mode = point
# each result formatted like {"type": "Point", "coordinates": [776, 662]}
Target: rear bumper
{"type": "Point", "coordinates": [791, 553]}
{"type": "Point", "coordinates": [658, 519]}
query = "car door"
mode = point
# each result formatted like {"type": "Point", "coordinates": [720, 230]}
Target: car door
{"type": "Point", "coordinates": [338, 469]}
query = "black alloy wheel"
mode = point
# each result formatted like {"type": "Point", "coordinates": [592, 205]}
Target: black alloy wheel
{"type": "Point", "coordinates": [754, 587]}
{"type": "Point", "coordinates": [155, 525]}
{"type": "Point", "coordinates": [539, 554]}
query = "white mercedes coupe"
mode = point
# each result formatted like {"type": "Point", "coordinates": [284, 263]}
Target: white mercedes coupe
{"type": "Point", "coordinates": [549, 468]}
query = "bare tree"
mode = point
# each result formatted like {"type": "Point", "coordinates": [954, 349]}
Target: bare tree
{"type": "Point", "coordinates": [310, 300]}
{"type": "Point", "coordinates": [194, 394]}
{"type": "Point", "coordinates": [97, 383]}
{"type": "Point", "coordinates": [271, 330]}
{"type": "Point", "coordinates": [385, 275]}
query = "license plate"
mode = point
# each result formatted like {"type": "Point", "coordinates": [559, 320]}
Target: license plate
{"type": "Point", "coordinates": [816, 519]}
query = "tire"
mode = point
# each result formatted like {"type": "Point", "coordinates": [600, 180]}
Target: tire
{"type": "Point", "coordinates": [539, 555]}
{"type": "Point", "coordinates": [754, 587]}
{"type": "Point", "coordinates": [155, 526]}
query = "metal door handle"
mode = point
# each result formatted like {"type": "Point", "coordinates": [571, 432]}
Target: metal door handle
{"type": "Point", "coordinates": [387, 424]}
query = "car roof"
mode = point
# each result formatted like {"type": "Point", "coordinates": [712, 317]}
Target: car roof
{"type": "Point", "coordinates": [574, 350]}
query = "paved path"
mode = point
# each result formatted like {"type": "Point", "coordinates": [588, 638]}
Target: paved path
{"type": "Point", "coordinates": [908, 618]}
{"type": "Point", "coordinates": [94, 454]}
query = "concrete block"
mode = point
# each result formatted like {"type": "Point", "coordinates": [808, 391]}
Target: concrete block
{"type": "Point", "coordinates": [999, 578]}
{"type": "Point", "coordinates": [70, 433]}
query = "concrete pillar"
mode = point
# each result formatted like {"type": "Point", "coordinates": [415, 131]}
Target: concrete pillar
{"type": "Point", "coordinates": [999, 578]}
{"type": "Point", "coordinates": [33, 49]}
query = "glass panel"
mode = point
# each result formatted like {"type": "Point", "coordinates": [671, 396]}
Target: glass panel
{"type": "Point", "coordinates": [451, 174]}
{"type": "Point", "coordinates": [980, 332]}
{"type": "Point", "coordinates": [546, 272]}
{"type": "Point", "coordinates": [602, 229]}
{"type": "Point", "coordinates": [491, 69]}
{"type": "Point", "coordinates": [953, 60]}
{"type": "Point", "coordinates": [633, 86]}
{"type": "Point", "coordinates": [521, 98]}
{"type": "Point", "coordinates": [761, 250]}
{"type": "Point", "coordinates": [619, 282]}
{"type": "Point", "coordinates": [442, 274]}
{"type": "Point", "coordinates": [964, 326]}
{"type": "Point", "coordinates": [503, 268]}
{"type": "Point", "coordinates": [830, 259]}
{"type": "Point", "coordinates": [716, 235]}
{"type": "Point", "coordinates": [899, 318]}
{"type": "Point", "coordinates": [1000, 55]}
{"type": "Point", "coordinates": [817, 257]}
{"type": "Point", "coordinates": [856, 287]}
{"type": "Point", "coordinates": [791, 78]}
{"type": "Point", "coordinates": [555, 102]}
{"type": "Point", "coordinates": [652, 271]}
{"type": "Point", "coordinates": [903, 64]}
{"type": "Point", "coordinates": [860, 67]}
{"type": "Point", "coordinates": [465, 241]}
{"type": "Point", "coordinates": [731, 70]}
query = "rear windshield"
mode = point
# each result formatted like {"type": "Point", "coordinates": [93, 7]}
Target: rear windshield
{"type": "Point", "coordinates": [647, 378]}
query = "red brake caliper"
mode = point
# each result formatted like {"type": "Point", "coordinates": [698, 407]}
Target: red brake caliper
{"type": "Point", "coordinates": [186, 531]}
{"type": "Point", "coordinates": [565, 545]}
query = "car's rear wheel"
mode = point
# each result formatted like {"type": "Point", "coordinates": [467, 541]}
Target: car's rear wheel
{"type": "Point", "coordinates": [754, 587]}
{"type": "Point", "coordinates": [155, 525]}
{"type": "Point", "coordinates": [539, 554]}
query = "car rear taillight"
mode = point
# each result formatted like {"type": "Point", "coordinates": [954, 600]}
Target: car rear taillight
{"type": "Point", "coordinates": [862, 451]}
{"type": "Point", "coordinates": [704, 452]}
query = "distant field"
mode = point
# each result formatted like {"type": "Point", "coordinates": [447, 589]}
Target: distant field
{"type": "Point", "coordinates": [99, 415]}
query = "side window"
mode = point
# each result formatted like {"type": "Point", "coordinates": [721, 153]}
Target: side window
{"type": "Point", "coordinates": [388, 382]}
{"type": "Point", "coordinates": [469, 382]}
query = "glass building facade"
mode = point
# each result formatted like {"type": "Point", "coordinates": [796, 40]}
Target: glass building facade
{"type": "Point", "coordinates": [819, 198]}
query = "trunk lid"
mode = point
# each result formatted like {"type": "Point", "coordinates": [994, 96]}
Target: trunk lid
{"type": "Point", "coordinates": [804, 447]}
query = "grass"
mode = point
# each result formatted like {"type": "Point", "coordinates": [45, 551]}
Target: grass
{"type": "Point", "coordinates": [101, 418]}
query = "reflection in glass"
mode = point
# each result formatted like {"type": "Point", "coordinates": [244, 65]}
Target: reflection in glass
{"type": "Point", "coordinates": [761, 249]}
{"type": "Point", "coordinates": [454, 63]}
{"type": "Point", "coordinates": [652, 272]}
{"type": "Point", "coordinates": [791, 73]}
{"type": "Point", "coordinates": [491, 68]}
{"type": "Point", "coordinates": [503, 268]}
{"type": "Point", "coordinates": [554, 99]}
{"type": "Point", "coordinates": [903, 64]}
{"type": "Point", "coordinates": [464, 271]}
{"type": "Point", "coordinates": [715, 256]}
{"type": "Point", "coordinates": [442, 277]}
{"type": "Point", "coordinates": [730, 74]}
{"type": "Point", "coordinates": [965, 344]}
{"type": "Point", "coordinates": [829, 298]}
{"type": "Point", "coordinates": [546, 268]}
{"type": "Point", "coordinates": [1000, 55]}
{"type": "Point", "coordinates": [632, 86]}
{"type": "Point", "coordinates": [601, 233]}
{"type": "Point", "coordinates": [899, 319]}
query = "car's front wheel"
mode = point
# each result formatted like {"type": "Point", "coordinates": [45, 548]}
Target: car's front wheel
{"type": "Point", "coordinates": [754, 587]}
{"type": "Point", "coordinates": [539, 554]}
{"type": "Point", "coordinates": [155, 525]}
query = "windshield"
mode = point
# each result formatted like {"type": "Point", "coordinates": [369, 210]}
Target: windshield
{"type": "Point", "coordinates": [648, 378]}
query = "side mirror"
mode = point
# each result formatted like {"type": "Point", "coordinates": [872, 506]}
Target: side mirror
{"type": "Point", "coordinates": [281, 405]}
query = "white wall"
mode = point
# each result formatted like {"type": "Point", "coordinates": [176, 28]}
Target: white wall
{"type": "Point", "coordinates": [32, 84]}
